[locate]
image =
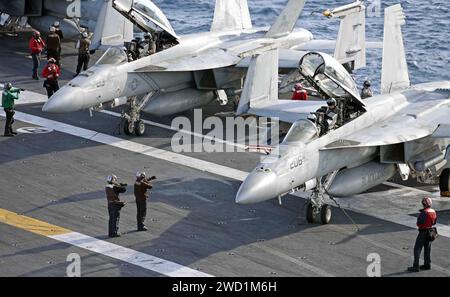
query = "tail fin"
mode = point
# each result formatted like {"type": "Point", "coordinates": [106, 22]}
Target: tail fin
{"type": "Point", "coordinates": [394, 75]}
{"type": "Point", "coordinates": [263, 68]}
{"type": "Point", "coordinates": [112, 29]}
{"type": "Point", "coordinates": [286, 21]}
{"type": "Point", "coordinates": [231, 15]}
{"type": "Point", "coordinates": [351, 41]}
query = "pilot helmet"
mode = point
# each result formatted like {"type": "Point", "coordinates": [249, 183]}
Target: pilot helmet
{"type": "Point", "coordinates": [331, 102]}
{"type": "Point", "coordinates": [367, 84]}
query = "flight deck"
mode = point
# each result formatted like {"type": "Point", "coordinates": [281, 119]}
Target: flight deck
{"type": "Point", "coordinates": [52, 203]}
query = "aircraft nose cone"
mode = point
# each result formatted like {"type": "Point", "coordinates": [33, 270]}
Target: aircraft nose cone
{"type": "Point", "coordinates": [67, 99]}
{"type": "Point", "coordinates": [259, 186]}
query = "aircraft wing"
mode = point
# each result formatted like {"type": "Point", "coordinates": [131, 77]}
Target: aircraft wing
{"type": "Point", "coordinates": [209, 59]}
{"type": "Point", "coordinates": [399, 129]}
{"type": "Point", "coordinates": [288, 111]}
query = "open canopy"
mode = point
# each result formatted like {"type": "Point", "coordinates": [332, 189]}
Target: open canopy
{"type": "Point", "coordinates": [146, 15]}
{"type": "Point", "coordinates": [328, 76]}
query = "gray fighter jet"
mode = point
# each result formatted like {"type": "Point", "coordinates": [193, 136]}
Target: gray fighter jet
{"type": "Point", "coordinates": [360, 144]}
{"type": "Point", "coordinates": [77, 15]}
{"type": "Point", "coordinates": [193, 70]}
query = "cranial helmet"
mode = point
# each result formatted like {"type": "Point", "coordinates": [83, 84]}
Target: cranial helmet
{"type": "Point", "coordinates": [111, 178]}
{"type": "Point", "coordinates": [298, 86]}
{"type": "Point", "coordinates": [427, 202]}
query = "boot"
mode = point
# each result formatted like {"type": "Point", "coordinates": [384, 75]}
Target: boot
{"type": "Point", "coordinates": [143, 228]}
{"type": "Point", "coordinates": [425, 267]}
{"type": "Point", "coordinates": [413, 269]}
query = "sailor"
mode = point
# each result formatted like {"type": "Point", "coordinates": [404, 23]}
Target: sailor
{"type": "Point", "coordinates": [53, 45]}
{"type": "Point", "coordinates": [51, 73]}
{"type": "Point", "coordinates": [36, 46]}
{"type": "Point", "coordinates": [9, 95]}
{"type": "Point", "coordinates": [366, 91]}
{"type": "Point", "coordinates": [83, 53]}
{"type": "Point", "coordinates": [299, 93]}
{"type": "Point", "coordinates": [58, 30]}
{"type": "Point", "coordinates": [141, 187]}
{"type": "Point", "coordinates": [113, 189]}
{"type": "Point", "coordinates": [425, 222]}
{"type": "Point", "coordinates": [61, 37]}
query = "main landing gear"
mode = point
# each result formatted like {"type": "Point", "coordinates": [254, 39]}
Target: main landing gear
{"type": "Point", "coordinates": [133, 123]}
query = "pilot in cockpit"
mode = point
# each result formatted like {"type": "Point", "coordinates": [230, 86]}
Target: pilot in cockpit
{"type": "Point", "coordinates": [326, 117]}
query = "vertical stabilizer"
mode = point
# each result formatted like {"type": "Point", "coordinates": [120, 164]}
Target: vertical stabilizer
{"type": "Point", "coordinates": [394, 75]}
{"type": "Point", "coordinates": [286, 21]}
{"type": "Point", "coordinates": [261, 83]}
{"type": "Point", "coordinates": [351, 40]}
{"type": "Point", "coordinates": [112, 29]}
{"type": "Point", "coordinates": [231, 15]}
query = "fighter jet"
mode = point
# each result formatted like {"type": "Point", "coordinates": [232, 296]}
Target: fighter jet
{"type": "Point", "coordinates": [362, 144]}
{"type": "Point", "coordinates": [193, 70]}
{"type": "Point", "coordinates": [75, 16]}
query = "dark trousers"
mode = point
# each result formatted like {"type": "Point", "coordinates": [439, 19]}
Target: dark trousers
{"type": "Point", "coordinates": [83, 62]}
{"type": "Point", "coordinates": [114, 217]}
{"type": "Point", "coordinates": [422, 241]}
{"type": "Point", "coordinates": [51, 86]}
{"type": "Point", "coordinates": [52, 53]}
{"type": "Point", "coordinates": [9, 120]}
{"type": "Point", "coordinates": [36, 63]}
{"type": "Point", "coordinates": [141, 213]}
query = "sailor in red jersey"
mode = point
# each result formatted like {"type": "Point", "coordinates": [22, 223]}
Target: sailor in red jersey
{"type": "Point", "coordinates": [299, 93]}
{"type": "Point", "coordinates": [425, 222]}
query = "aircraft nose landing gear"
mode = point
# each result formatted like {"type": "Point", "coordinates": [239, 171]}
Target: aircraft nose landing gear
{"type": "Point", "coordinates": [133, 122]}
{"type": "Point", "coordinates": [317, 210]}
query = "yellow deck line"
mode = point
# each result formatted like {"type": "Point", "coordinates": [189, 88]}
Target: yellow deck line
{"type": "Point", "coordinates": [98, 246]}
{"type": "Point", "coordinates": [30, 224]}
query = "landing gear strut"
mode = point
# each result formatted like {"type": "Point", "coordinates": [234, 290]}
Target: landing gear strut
{"type": "Point", "coordinates": [316, 208]}
{"type": "Point", "coordinates": [133, 122]}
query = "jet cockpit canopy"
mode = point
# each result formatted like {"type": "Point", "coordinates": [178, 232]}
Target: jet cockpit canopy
{"type": "Point", "coordinates": [329, 77]}
{"type": "Point", "coordinates": [302, 131]}
{"type": "Point", "coordinates": [113, 56]}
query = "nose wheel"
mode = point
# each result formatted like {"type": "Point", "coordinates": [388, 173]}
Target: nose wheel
{"type": "Point", "coordinates": [316, 208]}
{"type": "Point", "coordinates": [133, 123]}
{"type": "Point", "coordinates": [138, 128]}
{"type": "Point", "coordinates": [318, 213]}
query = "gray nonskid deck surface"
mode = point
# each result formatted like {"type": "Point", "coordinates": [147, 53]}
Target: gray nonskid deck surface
{"type": "Point", "coordinates": [193, 220]}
